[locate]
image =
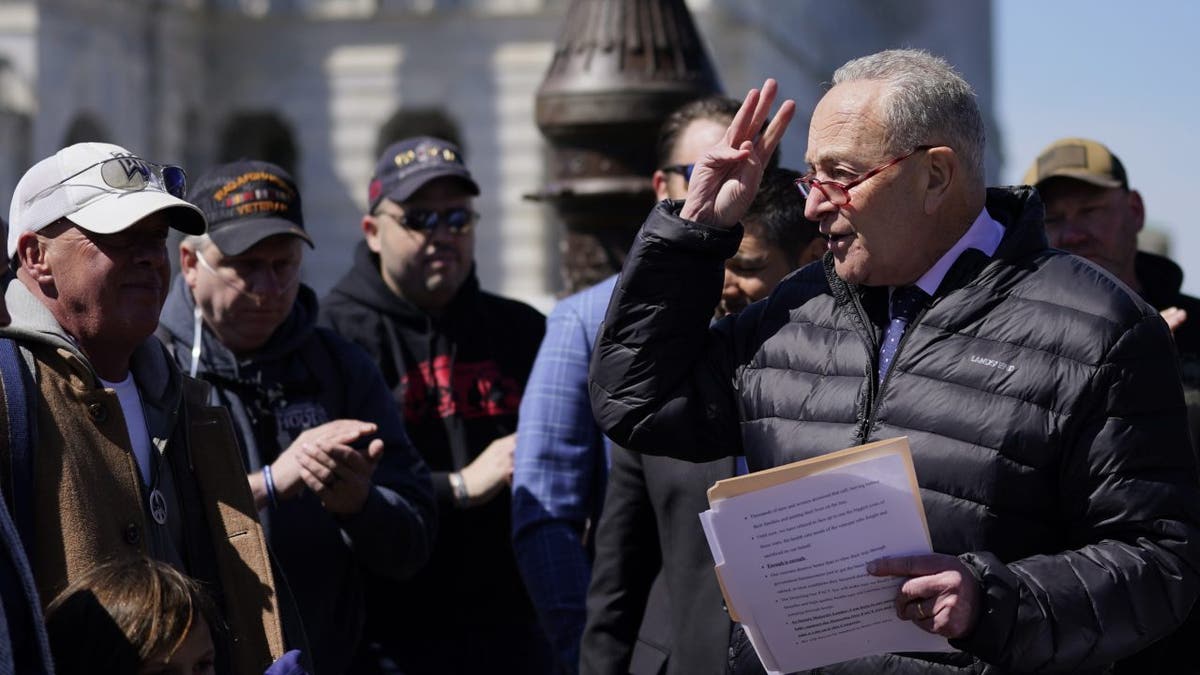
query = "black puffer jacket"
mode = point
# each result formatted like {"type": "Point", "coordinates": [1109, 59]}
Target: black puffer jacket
{"type": "Point", "coordinates": [1040, 397]}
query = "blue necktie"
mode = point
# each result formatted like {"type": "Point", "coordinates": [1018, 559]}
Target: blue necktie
{"type": "Point", "coordinates": [906, 302]}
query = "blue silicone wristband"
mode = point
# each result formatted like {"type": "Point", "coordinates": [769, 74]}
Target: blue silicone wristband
{"type": "Point", "coordinates": [269, 481]}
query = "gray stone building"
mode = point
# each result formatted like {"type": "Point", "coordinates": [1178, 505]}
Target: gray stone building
{"type": "Point", "coordinates": [318, 85]}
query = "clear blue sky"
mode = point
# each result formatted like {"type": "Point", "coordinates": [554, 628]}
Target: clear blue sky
{"type": "Point", "coordinates": [1124, 73]}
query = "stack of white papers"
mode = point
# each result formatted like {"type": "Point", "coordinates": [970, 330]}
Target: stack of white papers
{"type": "Point", "coordinates": [791, 545]}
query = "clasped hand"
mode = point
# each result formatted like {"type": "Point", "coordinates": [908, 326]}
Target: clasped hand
{"type": "Point", "coordinates": [322, 460]}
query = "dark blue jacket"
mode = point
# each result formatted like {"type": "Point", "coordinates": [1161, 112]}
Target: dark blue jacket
{"type": "Point", "coordinates": [24, 647]}
{"type": "Point", "coordinates": [305, 376]}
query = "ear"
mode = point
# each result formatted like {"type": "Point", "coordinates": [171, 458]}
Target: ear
{"type": "Point", "coordinates": [189, 264]}
{"type": "Point", "coordinates": [31, 253]}
{"type": "Point", "coordinates": [659, 181]}
{"type": "Point", "coordinates": [370, 228]}
{"type": "Point", "coordinates": [943, 172]}
{"type": "Point", "coordinates": [1137, 209]}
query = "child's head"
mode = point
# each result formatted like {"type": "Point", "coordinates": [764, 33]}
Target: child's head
{"type": "Point", "coordinates": [136, 616]}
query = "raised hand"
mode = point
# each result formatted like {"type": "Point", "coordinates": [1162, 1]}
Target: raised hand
{"type": "Point", "coordinates": [726, 177]}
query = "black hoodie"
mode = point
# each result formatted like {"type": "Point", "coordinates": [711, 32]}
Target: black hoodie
{"type": "Point", "coordinates": [302, 377]}
{"type": "Point", "coordinates": [459, 379]}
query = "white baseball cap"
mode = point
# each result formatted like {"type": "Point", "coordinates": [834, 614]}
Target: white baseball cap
{"type": "Point", "coordinates": [102, 188]}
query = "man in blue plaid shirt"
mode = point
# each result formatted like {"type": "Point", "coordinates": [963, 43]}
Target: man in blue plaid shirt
{"type": "Point", "coordinates": [561, 461]}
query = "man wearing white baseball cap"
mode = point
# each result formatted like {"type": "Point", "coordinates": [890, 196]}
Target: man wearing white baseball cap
{"type": "Point", "coordinates": [123, 455]}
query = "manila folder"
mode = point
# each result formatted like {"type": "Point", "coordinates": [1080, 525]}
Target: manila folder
{"type": "Point", "coordinates": [791, 545]}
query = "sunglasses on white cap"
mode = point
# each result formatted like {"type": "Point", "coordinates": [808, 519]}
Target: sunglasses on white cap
{"type": "Point", "coordinates": [131, 174]}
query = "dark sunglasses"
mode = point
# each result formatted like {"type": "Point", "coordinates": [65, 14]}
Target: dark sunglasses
{"type": "Point", "coordinates": [458, 220]}
{"type": "Point", "coordinates": [132, 174]}
{"type": "Point", "coordinates": [684, 170]}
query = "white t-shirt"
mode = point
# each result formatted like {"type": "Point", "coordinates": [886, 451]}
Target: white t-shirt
{"type": "Point", "coordinates": [135, 421]}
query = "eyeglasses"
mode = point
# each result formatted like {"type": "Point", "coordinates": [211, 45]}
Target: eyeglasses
{"type": "Point", "coordinates": [458, 220]}
{"type": "Point", "coordinates": [684, 170]}
{"type": "Point", "coordinates": [236, 274]}
{"type": "Point", "coordinates": [839, 193]}
{"type": "Point", "coordinates": [131, 174]}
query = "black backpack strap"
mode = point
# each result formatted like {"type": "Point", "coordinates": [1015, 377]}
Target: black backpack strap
{"type": "Point", "coordinates": [20, 407]}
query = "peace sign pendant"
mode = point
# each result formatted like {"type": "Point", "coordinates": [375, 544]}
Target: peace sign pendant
{"type": "Point", "coordinates": [158, 506]}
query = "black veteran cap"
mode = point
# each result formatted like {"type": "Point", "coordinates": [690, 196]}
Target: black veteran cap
{"type": "Point", "coordinates": [406, 166]}
{"type": "Point", "coordinates": [246, 202]}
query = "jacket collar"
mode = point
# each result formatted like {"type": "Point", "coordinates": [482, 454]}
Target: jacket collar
{"type": "Point", "coordinates": [1160, 279]}
{"type": "Point", "coordinates": [33, 322]}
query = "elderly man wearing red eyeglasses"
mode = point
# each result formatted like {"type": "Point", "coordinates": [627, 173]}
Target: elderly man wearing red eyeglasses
{"type": "Point", "coordinates": [456, 359]}
{"type": "Point", "coordinates": [1040, 396]}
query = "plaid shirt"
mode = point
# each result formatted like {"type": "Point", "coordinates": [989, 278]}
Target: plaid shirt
{"type": "Point", "coordinates": [560, 471]}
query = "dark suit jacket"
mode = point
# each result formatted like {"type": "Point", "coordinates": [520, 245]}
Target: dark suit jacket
{"type": "Point", "coordinates": [24, 647]}
{"type": "Point", "coordinates": [650, 535]}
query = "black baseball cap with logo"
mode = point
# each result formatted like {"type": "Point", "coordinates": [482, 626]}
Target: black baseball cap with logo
{"type": "Point", "coordinates": [247, 201]}
{"type": "Point", "coordinates": [406, 166]}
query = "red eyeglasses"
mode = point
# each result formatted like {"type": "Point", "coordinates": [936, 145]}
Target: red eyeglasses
{"type": "Point", "coordinates": [839, 193]}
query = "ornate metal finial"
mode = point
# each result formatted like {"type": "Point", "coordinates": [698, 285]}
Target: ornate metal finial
{"type": "Point", "coordinates": [620, 67]}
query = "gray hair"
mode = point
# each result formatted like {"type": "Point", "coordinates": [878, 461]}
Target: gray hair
{"type": "Point", "coordinates": [196, 242]}
{"type": "Point", "coordinates": [927, 101]}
